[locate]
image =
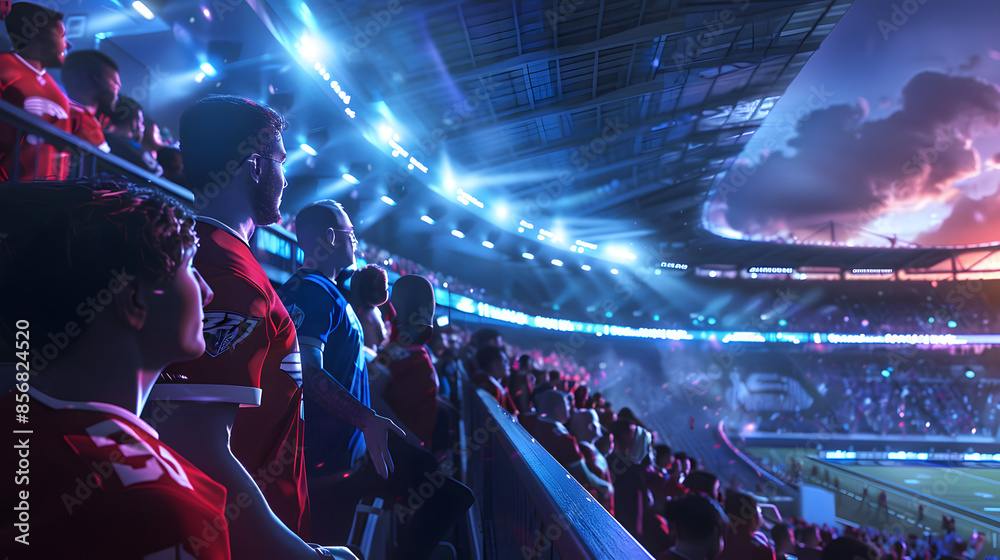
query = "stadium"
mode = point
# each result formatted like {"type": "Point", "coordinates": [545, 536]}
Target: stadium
{"type": "Point", "coordinates": [673, 279]}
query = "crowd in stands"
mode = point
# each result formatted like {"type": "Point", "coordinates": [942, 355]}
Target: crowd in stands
{"type": "Point", "coordinates": [223, 418]}
{"type": "Point", "coordinates": [87, 104]}
{"type": "Point", "coordinates": [919, 397]}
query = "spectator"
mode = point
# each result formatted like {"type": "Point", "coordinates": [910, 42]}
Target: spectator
{"type": "Point", "coordinates": [333, 344]}
{"type": "Point", "coordinates": [585, 427]}
{"type": "Point", "coordinates": [698, 524]}
{"type": "Point", "coordinates": [809, 542]}
{"type": "Point", "coordinates": [492, 368]}
{"type": "Point", "coordinates": [704, 482]}
{"type": "Point", "coordinates": [39, 39]}
{"type": "Point", "coordinates": [124, 132]}
{"type": "Point", "coordinates": [64, 244]}
{"type": "Point", "coordinates": [744, 541]}
{"type": "Point", "coordinates": [244, 392]}
{"type": "Point", "coordinates": [522, 384]}
{"type": "Point", "coordinates": [412, 391]}
{"type": "Point", "coordinates": [92, 83]}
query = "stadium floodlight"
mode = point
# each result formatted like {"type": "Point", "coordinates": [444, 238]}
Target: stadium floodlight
{"type": "Point", "coordinates": [208, 69]}
{"type": "Point", "coordinates": [308, 149]}
{"type": "Point", "coordinates": [488, 244]}
{"type": "Point", "coordinates": [528, 255]}
{"type": "Point", "coordinates": [427, 219]}
{"type": "Point", "coordinates": [557, 262]}
{"type": "Point", "coordinates": [388, 200]}
{"type": "Point", "coordinates": [586, 267]}
{"type": "Point", "coordinates": [351, 179]}
{"type": "Point", "coordinates": [143, 10]}
{"type": "Point", "coordinates": [458, 234]}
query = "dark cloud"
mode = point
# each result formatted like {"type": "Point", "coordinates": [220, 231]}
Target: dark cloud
{"type": "Point", "coordinates": [851, 171]}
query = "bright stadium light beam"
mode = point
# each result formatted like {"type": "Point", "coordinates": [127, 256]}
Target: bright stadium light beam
{"type": "Point", "coordinates": [388, 200]}
{"type": "Point", "coordinates": [488, 244]}
{"type": "Point", "coordinates": [351, 179]}
{"type": "Point", "coordinates": [308, 149]}
{"type": "Point", "coordinates": [143, 10]}
{"type": "Point", "coordinates": [208, 69]}
{"type": "Point", "coordinates": [458, 234]}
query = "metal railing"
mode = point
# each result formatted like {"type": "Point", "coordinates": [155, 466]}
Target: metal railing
{"type": "Point", "coordinates": [528, 505]}
{"type": "Point", "coordinates": [86, 159]}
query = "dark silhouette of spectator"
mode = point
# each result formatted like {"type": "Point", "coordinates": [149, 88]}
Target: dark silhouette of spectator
{"type": "Point", "coordinates": [333, 347]}
{"type": "Point", "coordinates": [698, 524]}
{"type": "Point", "coordinates": [172, 162]}
{"type": "Point", "coordinates": [413, 388]}
{"type": "Point", "coordinates": [846, 548]}
{"type": "Point", "coordinates": [810, 543]}
{"type": "Point", "coordinates": [63, 244]}
{"type": "Point", "coordinates": [92, 83]}
{"type": "Point", "coordinates": [236, 410]}
{"type": "Point", "coordinates": [744, 541]}
{"type": "Point", "coordinates": [39, 39]}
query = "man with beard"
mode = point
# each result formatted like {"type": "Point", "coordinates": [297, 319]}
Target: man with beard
{"type": "Point", "coordinates": [92, 82]}
{"type": "Point", "coordinates": [238, 407]}
{"type": "Point", "coordinates": [39, 39]}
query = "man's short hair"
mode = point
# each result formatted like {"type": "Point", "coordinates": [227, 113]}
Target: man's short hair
{"type": "Point", "coordinates": [313, 220]}
{"type": "Point", "coordinates": [219, 132]}
{"type": "Point", "coordinates": [81, 65]}
{"type": "Point", "coordinates": [487, 356]}
{"type": "Point", "coordinates": [67, 247]}
{"type": "Point", "coordinates": [25, 20]}
{"type": "Point", "coordinates": [701, 481]}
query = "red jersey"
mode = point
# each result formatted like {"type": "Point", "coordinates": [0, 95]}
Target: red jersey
{"type": "Point", "coordinates": [100, 484]}
{"type": "Point", "coordinates": [412, 393]}
{"type": "Point", "coordinates": [37, 93]}
{"type": "Point", "coordinates": [251, 358]}
{"type": "Point", "coordinates": [85, 126]}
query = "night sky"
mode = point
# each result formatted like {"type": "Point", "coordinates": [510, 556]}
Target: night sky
{"type": "Point", "coordinates": [891, 132]}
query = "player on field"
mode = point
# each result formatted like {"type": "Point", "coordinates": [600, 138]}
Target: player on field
{"type": "Point", "coordinates": [39, 39]}
{"type": "Point", "coordinates": [101, 293]}
{"type": "Point", "coordinates": [249, 380]}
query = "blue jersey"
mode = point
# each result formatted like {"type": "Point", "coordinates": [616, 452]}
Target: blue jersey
{"type": "Point", "coordinates": [323, 318]}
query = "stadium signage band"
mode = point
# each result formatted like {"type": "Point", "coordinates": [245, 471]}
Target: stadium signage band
{"type": "Point", "coordinates": [908, 456]}
{"type": "Point", "coordinates": [464, 304]}
{"type": "Point", "coordinates": [771, 270]}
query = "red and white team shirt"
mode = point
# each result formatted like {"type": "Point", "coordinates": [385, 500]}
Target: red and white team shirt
{"type": "Point", "coordinates": [102, 485]}
{"type": "Point", "coordinates": [251, 358]}
{"type": "Point", "coordinates": [85, 126]}
{"type": "Point", "coordinates": [36, 92]}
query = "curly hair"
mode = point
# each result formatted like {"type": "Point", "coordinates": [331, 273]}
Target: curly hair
{"type": "Point", "coordinates": [63, 244]}
{"type": "Point", "coordinates": [372, 286]}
